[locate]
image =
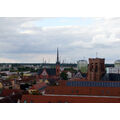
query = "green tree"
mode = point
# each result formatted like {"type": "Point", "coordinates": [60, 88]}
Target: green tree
{"type": "Point", "coordinates": [64, 76]}
{"type": "Point", "coordinates": [34, 82]}
{"type": "Point", "coordinates": [21, 74]}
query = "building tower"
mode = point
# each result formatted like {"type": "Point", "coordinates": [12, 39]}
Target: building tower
{"type": "Point", "coordinates": [58, 64]}
{"type": "Point", "coordinates": [96, 69]}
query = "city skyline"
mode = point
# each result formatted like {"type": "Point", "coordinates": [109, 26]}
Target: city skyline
{"type": "Point", "coordinates": [30, 40]}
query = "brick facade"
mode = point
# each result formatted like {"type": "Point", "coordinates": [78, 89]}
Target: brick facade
{"type": "Point", "coordinates": [90, 91]}
{"type": "Point", "coordinates": [96, 69]}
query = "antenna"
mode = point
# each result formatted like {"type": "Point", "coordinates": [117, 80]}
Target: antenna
{"type": "Point", "coordinates": [96, 54]}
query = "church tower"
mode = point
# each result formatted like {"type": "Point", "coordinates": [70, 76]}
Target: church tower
{"type": "Point", "coordinates": [58, 64]}
{"type": "Point", "coordinates": [96, 69]}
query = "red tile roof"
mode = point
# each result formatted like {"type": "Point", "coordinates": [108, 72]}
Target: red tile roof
{"type": "Point", "coordinates": [39, 86]}
{"type": "Point", "coordinates": [8, 92]}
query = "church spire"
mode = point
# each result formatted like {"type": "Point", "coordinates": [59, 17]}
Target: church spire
{"type": "Point", "coordinates": [57, 65]}
{"type": "Point", "coordinates": [58, 57]}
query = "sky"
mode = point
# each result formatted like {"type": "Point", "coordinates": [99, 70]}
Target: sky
{"type": "Point", "coordinates": [32, 40]}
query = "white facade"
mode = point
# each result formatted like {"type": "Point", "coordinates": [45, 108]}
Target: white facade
{"type": "Point", "coordinates": [114, 70]}
{"type": "Point", "coordinates": [69, 75]}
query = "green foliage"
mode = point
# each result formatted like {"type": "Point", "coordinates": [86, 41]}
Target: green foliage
{"type": "Point", "coordinates": [22, 69]}
{"type": "Point", "coordinates": [5, 69]}
{"type": "Point", "coordinates": [35, 93]}
{"type": "Point", "coordinates": [34, 82]}
{"type": "Point", "coordinates": [64, 76]}
{"type": "Point", "coordinates": [70, 69]}
{"type": "Point", "coordinates": [21, 74]}
{"type": "Point", "coordinates": [10, 87]}
{"type": "Point", "coordinates": [83, 69]}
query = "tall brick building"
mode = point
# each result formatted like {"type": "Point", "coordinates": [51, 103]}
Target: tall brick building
{"type": "Point", "coordinates": [96, 69]}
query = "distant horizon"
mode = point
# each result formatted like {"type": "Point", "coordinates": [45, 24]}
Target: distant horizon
{"type": "Point", "coordinates": [44, 63]}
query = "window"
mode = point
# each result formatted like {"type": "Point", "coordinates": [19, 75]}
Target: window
{"type": "Point", "coordinates": [96, 67]}
{"type": "Point", "coordinates": [102, 84]}
{"type": "Point", "coordinates": [98, 84]}
{"type": "Point", "coordinates": [119, 84]}
{"type": "Point", "coordinates": [91, 67]}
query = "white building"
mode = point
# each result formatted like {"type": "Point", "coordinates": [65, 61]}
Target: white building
{"type": "Point", "coordinates": [69, 75]}
{"type": "Point", "coordinates": [115, 69]}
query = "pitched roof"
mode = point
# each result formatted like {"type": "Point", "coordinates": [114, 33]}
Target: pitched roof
{"type": "Point", "coordinates": [50, 71]}
{"type": "Point", "coordinates": [39, 86]}
{"type": "Point", "coordinates": [78, 75]}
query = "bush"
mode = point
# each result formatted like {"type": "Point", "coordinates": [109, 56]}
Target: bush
{"type": "Point", "coordinates": [64, 76]}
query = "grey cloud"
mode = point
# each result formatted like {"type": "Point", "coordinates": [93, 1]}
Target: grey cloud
{"type": "Point", "coordinates": [19, 36]}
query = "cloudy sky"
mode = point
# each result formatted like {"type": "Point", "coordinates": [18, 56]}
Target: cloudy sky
{"type": "Point", "coordinates": [29, 40]}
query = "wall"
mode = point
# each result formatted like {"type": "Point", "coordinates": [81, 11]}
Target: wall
{"type": "Point", "coordinates": [67, 99]}
{"type": "Point", "coordinates": [97, 91]}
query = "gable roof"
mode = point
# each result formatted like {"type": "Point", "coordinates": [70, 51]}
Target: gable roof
{"type": "Point", "coordinates": [50, 71]}
{"type": "Point", "coordinates": [78, 75]}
